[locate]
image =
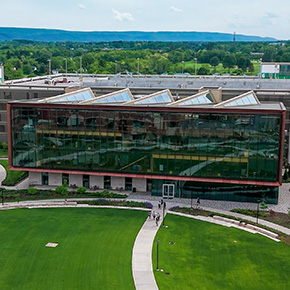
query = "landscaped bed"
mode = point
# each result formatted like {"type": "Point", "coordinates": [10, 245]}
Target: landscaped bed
{"type": "Point", "coordinates": [199, 255]}
{"type": "Point", "coordinates": [37, 194]}
{"type": "Point", "coordinates": [280, 218]}
{"type": "Point", "coordinates": [13, 176]}
{"type": "Point", "coordinates": [94, 248]}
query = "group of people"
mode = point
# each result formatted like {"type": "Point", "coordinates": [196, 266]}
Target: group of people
{"type": "Point", "coordinates": [155, 216]}
{"type": "Point", "coordinates": [162, 203]}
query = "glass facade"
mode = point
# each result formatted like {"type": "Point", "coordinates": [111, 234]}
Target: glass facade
{"type": "Point", "coordinates": [240, 146]}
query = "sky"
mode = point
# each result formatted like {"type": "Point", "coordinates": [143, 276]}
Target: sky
{"type": "Point", "coordinates": [250, 17]}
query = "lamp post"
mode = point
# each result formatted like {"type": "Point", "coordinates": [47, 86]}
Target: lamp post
{"type": "Point", "coordinates": [115, 67]}
{"type": "Point", "coordinates": [195, 60]}
{"type": "Point", "coordinates": [138, 65]}
{"type": "Point", "coordinates": [258, 206]}
{"type": "Point", "coordinates": [49, 66]}
{"type": "Point", "coordinates": [65, 65]}
{"type": "Point", "coordinates": [157, 266]}
{"type": "Point", "coordinates": [182, 66]}
{"type": "Point", "coordinates": [2, 195]}
{"type": "Point", "coordinates": [163, 214]}
{"type": "Point", "coordinates": [81, 67]}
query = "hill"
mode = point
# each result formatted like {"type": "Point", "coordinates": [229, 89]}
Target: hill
{"type": "Point", "coordinates": [54, 35]}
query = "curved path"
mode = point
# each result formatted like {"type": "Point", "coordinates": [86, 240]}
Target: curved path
{"type": "Point", "coordinates": [2, 174]}
{"type": "Point", "coordinates": [142, 255]}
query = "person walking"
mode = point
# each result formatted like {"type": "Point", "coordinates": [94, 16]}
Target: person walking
{"type": "Point", "coordinates": [149, 214]}
{"type": "Point", "coordinates": [198, 201]}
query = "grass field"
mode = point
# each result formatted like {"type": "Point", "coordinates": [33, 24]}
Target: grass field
{"type": "Point", "coordinates": [206, 256]}
{"type": "Point", "coordinates": [94, 251]}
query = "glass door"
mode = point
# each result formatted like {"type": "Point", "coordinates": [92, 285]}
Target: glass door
{"type": "Point", "coordinates": [168, 191]}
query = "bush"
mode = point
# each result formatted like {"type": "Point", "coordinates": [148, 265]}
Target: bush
{"type": "Point", "coordinates": [81, 190]}
{"type": "Point", "coordinates": [32, 191]}
{"type": "Point", "coordinates": [62, 189]}
{"type": "Point", "coordinates": [5, 145]}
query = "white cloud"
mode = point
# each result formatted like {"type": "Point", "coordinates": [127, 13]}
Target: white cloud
{"type": "Point", "coordinates": [82, 6]}
{"type": "Point", "coordinates": [175, 9]}
{"type": "Point", "coordinates": [123, 16]}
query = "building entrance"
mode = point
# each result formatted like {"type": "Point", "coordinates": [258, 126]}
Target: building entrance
{"type": "Point", "coordinates": [168, 191]}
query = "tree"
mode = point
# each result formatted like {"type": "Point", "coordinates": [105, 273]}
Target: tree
{"type": "Point", "coordinates": [229, 61]}
{"type": "Point", "coordinates": [203, 71]}
{"type": "Point", "coordinates": [214, 61]}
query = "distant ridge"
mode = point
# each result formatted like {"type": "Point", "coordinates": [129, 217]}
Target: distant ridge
{"type": "Point", "coordinates": [53, 35]}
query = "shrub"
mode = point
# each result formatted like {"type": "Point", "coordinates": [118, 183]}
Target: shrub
{"type": "Point", "coordinates": [32, 191]}
{"type": "Point", "coordinates": [148, 204]}
{"type": "Point", "coordinates": [81, 190]}
{"type": "Point", "coordinates": [263, 205]}
{"type": "Point", "coordinates": [62, 189]}
{"type": "Point", "coordinates": [5, 145]}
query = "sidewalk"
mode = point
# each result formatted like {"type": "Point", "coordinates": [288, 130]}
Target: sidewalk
{"type": "Point", "coordinates": [142, 254]}
{"type": "Point", "coordinates": [2, 174]}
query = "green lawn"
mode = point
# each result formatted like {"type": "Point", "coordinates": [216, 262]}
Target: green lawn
{"type": "Point", "coordinates": [3, 152]}
{"type": "Point", "coordinates": [205, 256]}
{"type": "Point", "coordinates": [94, 252]}
{"type": "Point", "coordinates": [13, 176]}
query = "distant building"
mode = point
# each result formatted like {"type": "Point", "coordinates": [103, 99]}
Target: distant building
{"type": "Point", "coordinates": [1, 73]}
{"type": "Point", "coordinates": [197, 145]}
{"type": "Point", "coordinates": [275, 70]}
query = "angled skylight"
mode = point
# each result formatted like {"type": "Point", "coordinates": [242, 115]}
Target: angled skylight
{"type": "Point", "coordinates": [246, 99]}
{"type": "Point", "coordinates": [115, 97]}
{"type": "Point", "coordinates": [156, 98]}
{"type": "Point", "coordinates": [202, 98]}
{"type": "Point", "coordinates": [72, 97]}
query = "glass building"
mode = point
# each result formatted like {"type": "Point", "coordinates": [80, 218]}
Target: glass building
{"type": "Point", "coordinates": [194, 144]}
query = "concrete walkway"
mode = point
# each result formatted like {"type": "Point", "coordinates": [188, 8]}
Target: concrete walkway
{"type": "Point", "coordinates": [2, 174]}
{"type": "Point", "coordinates": [142, 254]}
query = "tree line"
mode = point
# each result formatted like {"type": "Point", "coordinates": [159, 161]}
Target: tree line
{"type": "Point", "coordinates": [28, 58]}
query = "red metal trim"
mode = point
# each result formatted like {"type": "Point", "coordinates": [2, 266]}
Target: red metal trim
{"type": "Point", "coordinates": [281, 147]}
{"type": "Point", "coordinates": [147, 109]}
{"type": "Point", "coordinates": [9, 135]}
{"type": "Point", "coordinates": [165, 177]}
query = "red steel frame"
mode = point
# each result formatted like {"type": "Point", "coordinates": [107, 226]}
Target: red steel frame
{"type": "Point", "coordinates": [281, 112]}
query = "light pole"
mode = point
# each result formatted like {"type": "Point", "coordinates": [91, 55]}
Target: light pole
{"type": "Point", "coordinates": [258, 203]}
{"type": "Point", "coordinates": [115, 67]}
{"type": "Point", "coordinates": [195, 60]}
{"type": "Point", "coordinates": [164, 204]}
{"type": "Point", "coordinates": [182, 66]}
{"type": "Point", "coordinates": [49, 66]}
{"type": "Point", "coordinates": [81, 68]}
{"type": "Point", "coordinates": [65, 65]}
{"type": "Point", "coordinates": [138, 65]}
{"type": "Point", "coordinates": [157, 267]}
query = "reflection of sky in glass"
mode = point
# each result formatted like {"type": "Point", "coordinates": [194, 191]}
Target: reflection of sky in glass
{"type": "Point", "coordinates": [246, 100]}
{"type": "Point", "coordinates": [78, 97]}
{"type": "Point", "coordinates": [162, 98]}
{"type": "Point", "coordinates": [203, 99]}
{"type": "Point", "coordinates": [118, 98]}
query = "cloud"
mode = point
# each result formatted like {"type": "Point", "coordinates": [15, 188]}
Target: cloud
{"type": "Point", "coordinates": [175, 9]}
{"type": "Point", "coordinates": [123, 16]}
{"type": "Point", "coordinates": [82, 6]}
